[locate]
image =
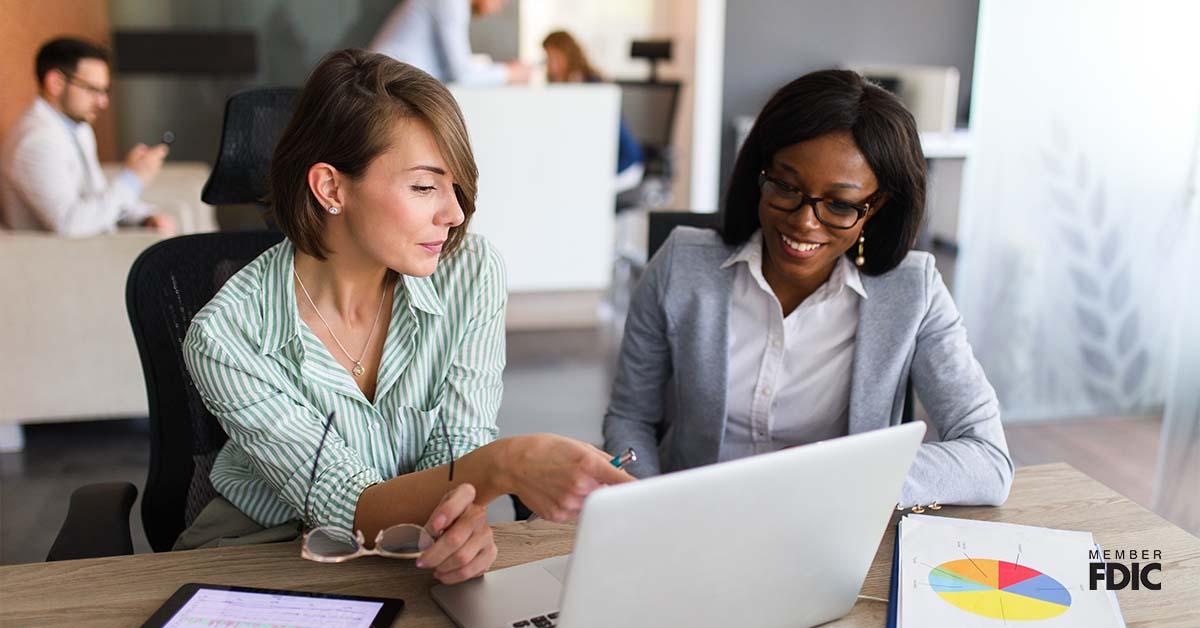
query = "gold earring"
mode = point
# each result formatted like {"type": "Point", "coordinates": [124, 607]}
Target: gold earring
{"type": "Point", "coordinates": [860, 260]}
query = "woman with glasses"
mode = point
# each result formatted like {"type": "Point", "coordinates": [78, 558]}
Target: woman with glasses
{"type": "Point", "coordinates": [806, 317]}
{"type": "Point", "coordinates": [350, 363]}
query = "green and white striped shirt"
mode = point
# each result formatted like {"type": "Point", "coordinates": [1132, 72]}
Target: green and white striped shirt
{"type": "Point", "coordinates": [271, 382]}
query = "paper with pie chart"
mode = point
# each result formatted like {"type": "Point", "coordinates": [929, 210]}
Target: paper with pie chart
{"type": "Point", "coordinates": [965, 573]}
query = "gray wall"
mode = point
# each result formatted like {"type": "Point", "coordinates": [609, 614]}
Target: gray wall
{"type": "Point", "coordinates": [770, 42]}
{"type": "Point", "coordinates": [498, 34]}
{"type": "Point", "coordinates": [292, 37]}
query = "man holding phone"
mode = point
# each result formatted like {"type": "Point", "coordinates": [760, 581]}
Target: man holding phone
{"type": "Point", "coordinates": [50, 176]}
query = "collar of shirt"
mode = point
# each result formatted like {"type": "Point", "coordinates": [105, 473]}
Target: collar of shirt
{"type": "Point", "coordinates": [845, 274]}
{"type": "Point", "coordinates": [282, 324]}
{"type": "Point", "coordinates": [71, 125]}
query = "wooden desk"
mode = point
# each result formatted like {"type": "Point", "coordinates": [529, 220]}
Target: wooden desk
{"type": "Point", "coordinates": [124, 591]}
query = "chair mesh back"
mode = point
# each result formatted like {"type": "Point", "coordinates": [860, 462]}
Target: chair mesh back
{"type": "Point", "coordinates": [649, 109]}
{"type": "Point", "coordinates": [661, 224]}
{"type": "Point", "coordinates": [167, 285]}
{"type": "Point", "coordinates": [254, 121]}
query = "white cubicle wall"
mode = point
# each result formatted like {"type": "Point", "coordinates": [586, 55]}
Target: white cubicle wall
{"type": "Point", "coordinates": [547, 159]}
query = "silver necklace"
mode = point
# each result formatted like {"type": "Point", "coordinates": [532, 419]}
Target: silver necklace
{"type": "Point", "coordinates": [358, 369]}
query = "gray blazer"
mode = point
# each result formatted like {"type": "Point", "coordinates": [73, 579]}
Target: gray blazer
{"type": "Point", "coordinates": [668, 399]}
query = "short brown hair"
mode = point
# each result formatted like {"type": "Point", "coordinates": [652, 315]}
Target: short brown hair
{"type": "Point", "coordinates": [64, 54]}
{"type": "Point", "coordinates": [344, 118]}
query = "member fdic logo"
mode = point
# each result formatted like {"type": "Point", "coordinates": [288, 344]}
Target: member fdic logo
{"type": "Point", "coordinates": [1114, 570]}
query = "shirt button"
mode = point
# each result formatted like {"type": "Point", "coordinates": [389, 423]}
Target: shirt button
{"type": "Point", "coordinates": [766, 391]}
{"type": "Point", "coordinates": [776, 343]}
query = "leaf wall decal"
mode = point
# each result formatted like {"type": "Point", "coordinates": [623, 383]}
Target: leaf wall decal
{"type": "Point", "coordinates": [1119, 291]}
{"type": "Point", "coordinates": [1104, 399]}
{"type": "Point", "coordinates": [1091, 322]}
{"type": "Point", "coordinates": [1111, 243]}
{"type": "Point", "coordinates": [1062, 200]}
{"type": "Point", "coordinates": [1099, 205]}
{"type": "Point", "coordinates": [1096, 362]}
{"type": "Point", "coordinates": [1074, 240]}
{"type": "Point", "coordinates": [1084, 283]}
{"type": "Point", "coordinates": [1135, 374]}
{"type": "Point", "coordinates": [1128, 333]}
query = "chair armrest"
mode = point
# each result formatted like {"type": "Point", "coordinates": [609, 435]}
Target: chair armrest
{"type": "Point", "coordinates": [97, 523]}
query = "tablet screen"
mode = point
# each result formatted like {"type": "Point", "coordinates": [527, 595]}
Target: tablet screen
{"type": "Point", "coordinates": [212, 605]}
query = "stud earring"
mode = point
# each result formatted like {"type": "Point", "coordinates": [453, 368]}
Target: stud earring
{"type": "Point", "coordinates": [860, 260]}
{"type": "Point", "coordinates": [335, 210]}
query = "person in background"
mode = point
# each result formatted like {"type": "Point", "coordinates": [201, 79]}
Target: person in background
{"type": "Point", "coordinates": [434, 35]}
{"type": "Point", "coordinates": [567, 63]}
{"type": "Point", "coordinates": [381, 318]}
{"type": "Point", "coordinates": [806, 316]}
{"type": "Point", "coordinates": [50, 176]}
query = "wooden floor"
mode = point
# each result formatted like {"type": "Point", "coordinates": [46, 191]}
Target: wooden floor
{"type": "Point", "coordinates": [1121, 452]}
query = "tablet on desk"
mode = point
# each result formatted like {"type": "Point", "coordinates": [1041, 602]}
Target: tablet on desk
{"type": "Point", "coordinates": [217, 605]}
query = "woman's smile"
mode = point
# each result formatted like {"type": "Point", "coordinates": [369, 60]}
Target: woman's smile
{"type": "Point", "coordinates": [799, 248]}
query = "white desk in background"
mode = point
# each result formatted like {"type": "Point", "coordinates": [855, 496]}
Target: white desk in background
{"type": "Point", "coordinates": [547, 160]}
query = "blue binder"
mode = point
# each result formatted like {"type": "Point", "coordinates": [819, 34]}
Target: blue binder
{"type": "Point", "coordinates": [894, 587]}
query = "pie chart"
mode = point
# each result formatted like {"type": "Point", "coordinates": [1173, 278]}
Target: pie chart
{"type": "Point", "coordinates": [998, 589]}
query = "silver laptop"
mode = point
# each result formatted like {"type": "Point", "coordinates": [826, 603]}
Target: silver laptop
{"type": "Point", "coordinates": [780, 539]}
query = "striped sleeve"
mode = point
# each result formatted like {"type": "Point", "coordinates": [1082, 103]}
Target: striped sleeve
{"type": "Point", "coordinates": [474, 384]}
{"type": "Point", "coordinates": [278, 436]}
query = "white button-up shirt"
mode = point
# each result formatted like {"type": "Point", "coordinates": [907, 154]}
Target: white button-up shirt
{"type": "Point", "coordinates": [50, 179]}
{"type": "Point", "coordinates": [789, 377]}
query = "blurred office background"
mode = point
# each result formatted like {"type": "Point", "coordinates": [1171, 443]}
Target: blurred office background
{"type": "Point", "coordinates": [1063, 203]}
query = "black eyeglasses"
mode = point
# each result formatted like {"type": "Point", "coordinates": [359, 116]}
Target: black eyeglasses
{"type": "Point", "coordinates": [86, 86]}
{"type": "Point", "coordinates": [327, 544]}
{"type": "Point", "coordinates": [831, 212]}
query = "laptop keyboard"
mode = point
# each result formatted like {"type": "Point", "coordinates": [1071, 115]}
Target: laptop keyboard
{"type": "Point", "coordinates": [549, 620]}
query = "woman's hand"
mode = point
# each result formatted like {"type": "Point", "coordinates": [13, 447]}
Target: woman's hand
{"type": "Point", "coordinates": [464, 548]}
{"type": "Point", "coordinates": [553, 474]}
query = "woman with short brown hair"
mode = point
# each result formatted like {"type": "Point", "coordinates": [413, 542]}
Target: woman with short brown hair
{"type": "Point", "coordinates": [339, 415]}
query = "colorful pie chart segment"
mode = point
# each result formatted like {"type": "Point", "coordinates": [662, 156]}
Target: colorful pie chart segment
{"type": "Point", "coordinates": [999, 589]}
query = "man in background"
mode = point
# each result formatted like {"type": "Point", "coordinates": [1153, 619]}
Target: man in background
{"type": "Point", "coordinates": [50, 176]}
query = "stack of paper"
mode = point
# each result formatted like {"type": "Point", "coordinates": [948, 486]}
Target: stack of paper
{"type": "Point", "coordinates": [968, 574]}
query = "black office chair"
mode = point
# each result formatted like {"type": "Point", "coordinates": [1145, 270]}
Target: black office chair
{"type": "Point", "coordinates": [168, 284]}
{"type": "Point", "coordinates": [661, 224]}
{"type": "Point", "coordinates": [254, 121]}
{"type": "Point", "coordinates": [648, 109]}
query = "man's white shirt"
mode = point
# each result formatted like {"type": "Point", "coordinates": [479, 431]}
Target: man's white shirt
{"type": "Point", "coordinates": [50, 179]}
